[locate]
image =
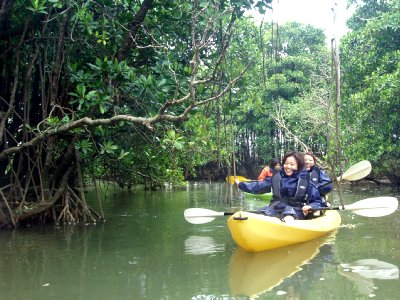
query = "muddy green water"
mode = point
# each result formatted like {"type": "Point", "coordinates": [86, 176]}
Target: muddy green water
{"type": "Point", "coordinates": [147, 250]}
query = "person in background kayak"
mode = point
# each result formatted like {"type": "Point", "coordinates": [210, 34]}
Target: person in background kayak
{"type": "Point", "coordinates": [317, 175]}
{"type": "Point", "coordinates": [269, 171]}
{"type": "Point", "coordinates": [294, 195]}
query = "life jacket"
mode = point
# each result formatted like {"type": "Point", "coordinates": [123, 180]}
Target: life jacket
{"type": "Point", "coordinates": [274, 171]}
{"type": "Point", "coordinates": [314, 177]}
{"type": "Point", "coordinates": [300, 197]}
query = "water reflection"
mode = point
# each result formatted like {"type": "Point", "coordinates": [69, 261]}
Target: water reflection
{"type": "Point", "coordinates": [251, 274]}
{"type": "Point", "coordinates": [146, 250]}
{"type": "Point", "coordinates": [199, 245]}
{"type": "Point", "coordinates": [362, 271]}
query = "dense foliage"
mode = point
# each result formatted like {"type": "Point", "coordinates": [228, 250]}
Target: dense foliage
{"type": "Point", "coordinates": [93, 90]}
{"type": "Point", "coordinates": [157, 92]}
{"type": "Point", "coordinates": [284, 102]}
{"type": "Point", "coordinates": [370, 57]}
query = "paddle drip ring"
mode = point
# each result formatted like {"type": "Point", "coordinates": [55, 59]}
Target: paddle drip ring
{"type": "Point", "coordinates": [240, 218]}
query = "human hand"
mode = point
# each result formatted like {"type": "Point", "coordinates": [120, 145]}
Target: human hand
{"type": "Point", "coordinates": [306, 209]}
{"type": "Point", "coordinates": [236, 181]}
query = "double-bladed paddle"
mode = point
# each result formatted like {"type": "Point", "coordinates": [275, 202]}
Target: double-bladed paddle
{"type": "Point", "coordinates": [371, 207]}
{"type": "Point", "coordinates": [355, 172]}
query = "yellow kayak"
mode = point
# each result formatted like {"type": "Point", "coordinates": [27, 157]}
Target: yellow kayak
{"type": "Point", "coordinates": [257, 232]}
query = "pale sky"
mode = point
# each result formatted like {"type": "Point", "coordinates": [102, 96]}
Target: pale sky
{"type": "Point", "coordinates": [318, 13]}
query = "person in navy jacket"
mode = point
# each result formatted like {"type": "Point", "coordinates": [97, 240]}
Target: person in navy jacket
{"type": "Point", "coordinates": [295, 196]}
{"type": "Point", "coordinates": [317, 175]}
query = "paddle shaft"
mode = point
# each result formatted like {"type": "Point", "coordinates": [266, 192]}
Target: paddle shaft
{"type": "Point", "coordinates": [347, 208]}
{"type": "Point", "coordinates": [371, 207]}
{"type": "Point", "coordinates": [330, 208]}
{"type": "Point", "coordinates": [322, 208]}
{"type": "Point", "coordinates": [230, 213]}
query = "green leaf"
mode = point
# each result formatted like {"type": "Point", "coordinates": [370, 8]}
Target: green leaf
{"type": "Point", "coordinates": [171, 134]}
{"type": "Point", "coordinates": [178, 145]}
{"type": "Point", "coordinates": [161, 82]}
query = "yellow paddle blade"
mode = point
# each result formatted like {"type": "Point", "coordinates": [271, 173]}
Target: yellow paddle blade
{"type": "Point", "coordinates": [231, 179]}
{"type": "Point", "coordinates": [357, 171]}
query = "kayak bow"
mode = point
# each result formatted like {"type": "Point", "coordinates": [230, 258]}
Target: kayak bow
{"type": "Point", "coordinates": [256, 232]}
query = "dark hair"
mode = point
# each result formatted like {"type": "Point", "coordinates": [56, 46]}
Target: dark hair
{"type": "Point", "coordinates": [312, 155]}
{"type": "Point", "coordinates": [298, 156]}
{"type": "Point", "coordinates": [273, 163]}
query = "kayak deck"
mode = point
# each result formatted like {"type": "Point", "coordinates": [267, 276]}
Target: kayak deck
{"type": "Point", "coordinates": [257, 232]}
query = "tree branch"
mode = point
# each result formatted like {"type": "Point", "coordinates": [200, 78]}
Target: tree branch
{"type": "Point", "coordinates": [134, 27]}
